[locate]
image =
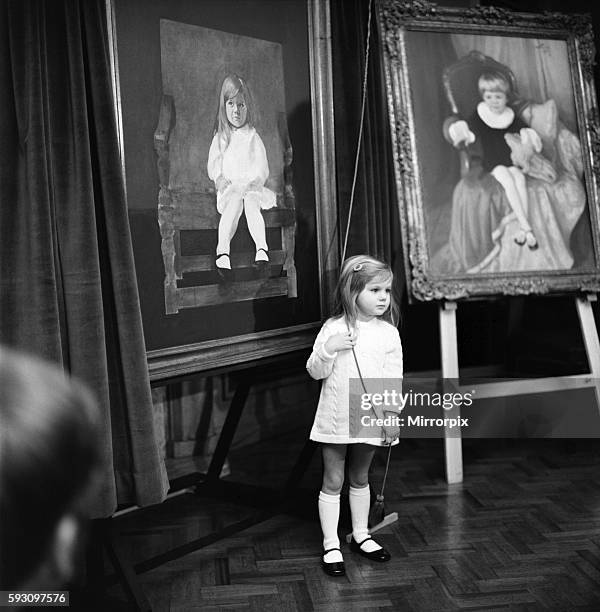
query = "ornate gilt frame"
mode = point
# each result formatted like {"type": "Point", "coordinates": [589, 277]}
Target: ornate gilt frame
{"type": "Point", "coordinates": [395, 19]}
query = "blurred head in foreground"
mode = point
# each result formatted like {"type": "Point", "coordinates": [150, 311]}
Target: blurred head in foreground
{"type": "Point", "coordinates": [49, 452]}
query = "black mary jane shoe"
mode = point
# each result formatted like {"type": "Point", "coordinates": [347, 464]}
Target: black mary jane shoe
{"type": "Point", "coordinates": [336, 568]}
{"type": "Point", "coordinates": [380, 555]}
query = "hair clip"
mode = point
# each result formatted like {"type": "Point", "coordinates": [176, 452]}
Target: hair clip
{"type": "Point", "coordinates": [357, 267]}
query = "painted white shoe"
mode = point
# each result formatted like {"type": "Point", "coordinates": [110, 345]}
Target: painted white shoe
{"type": "Point", "coordinates": [223, 261]}
{"type": "Point", "coordinates": [531, 240]}
{"type": "Point", "coordinates": [521, 237]}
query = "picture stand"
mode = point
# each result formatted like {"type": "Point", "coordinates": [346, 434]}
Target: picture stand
{"type": "Point", "coordinates": [449, 353]}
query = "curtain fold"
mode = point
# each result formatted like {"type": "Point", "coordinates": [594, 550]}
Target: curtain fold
{"type": "Point", "coordinates": [374, 222]}
{"type": "Point", "coordinates": [68, 289]}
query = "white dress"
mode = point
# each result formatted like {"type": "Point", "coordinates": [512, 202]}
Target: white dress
{"type": "Point", "coordinates": [379, 353]}
{"type": "Point", "coordinates": [241, 162]}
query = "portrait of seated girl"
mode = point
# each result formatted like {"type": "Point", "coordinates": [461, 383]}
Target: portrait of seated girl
{"type": "Point", "coordinates": [521, 189]}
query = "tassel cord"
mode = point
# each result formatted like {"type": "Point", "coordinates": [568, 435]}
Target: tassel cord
{"type": "Point", "coordinates": [389, 454]}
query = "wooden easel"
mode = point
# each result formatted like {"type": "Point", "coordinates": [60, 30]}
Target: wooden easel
{"type": "Point", "coordinates": [449, 351]}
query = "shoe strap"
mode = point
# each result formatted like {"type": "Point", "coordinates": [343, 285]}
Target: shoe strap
{"type": "Point", "coordinates": [266, 253]}
{"type": "Point", "coordinates": [367, 538]}
{"type": "Point", "coordinates": [330, 550]}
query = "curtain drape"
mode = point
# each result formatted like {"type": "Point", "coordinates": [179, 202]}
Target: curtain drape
{"type": "Point", "coordinates": [68, 290]}
{"type": "Point", "coordinates": [374, 223]}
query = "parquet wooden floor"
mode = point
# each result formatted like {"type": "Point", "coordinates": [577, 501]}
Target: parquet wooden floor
{"type": "Point", "coordinates": [521, 533]}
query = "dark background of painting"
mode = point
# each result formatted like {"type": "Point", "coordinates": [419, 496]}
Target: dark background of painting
{"type": "Point", "coordinates": [138, 45]}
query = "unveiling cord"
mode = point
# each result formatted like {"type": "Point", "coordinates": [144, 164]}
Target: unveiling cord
{"type": "Point", "coordinates": [360, 130]}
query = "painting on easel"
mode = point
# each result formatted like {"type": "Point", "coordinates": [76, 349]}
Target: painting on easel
{"type": "Point", "coordinates": [497, 172]}
{"type": "Point", "coordinates": [226, 134]}
{"type": "Point", "coordinates": [226, 200]}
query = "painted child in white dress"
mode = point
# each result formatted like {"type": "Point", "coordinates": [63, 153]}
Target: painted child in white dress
{"type": "Point", "coordinates": [237, 163]}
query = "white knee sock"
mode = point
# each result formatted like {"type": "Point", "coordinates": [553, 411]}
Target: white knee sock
{"type": "Point", "coordinates": [256, 225]}
{"type": "Point", "coordinates": [228, 223]}
{"type": "Point", "coordinates": [360, 504]}
{"type": "Point", "coordinates": [329, 514]}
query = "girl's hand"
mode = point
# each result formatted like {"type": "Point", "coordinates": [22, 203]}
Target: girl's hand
{"type": "Point", "coordinates": [390, 433]}
{"type": "Point", "coordinates": [340, 342]}
{"type": "Point", "coordinates": [222, 183]}
{"type": "Point", "coordinates": [460, 133]}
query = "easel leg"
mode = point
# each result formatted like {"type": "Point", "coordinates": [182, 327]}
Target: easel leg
{"type": "Point", "coordinates": [228, 431]}
{"type": "Point", "coordinates": [449, 350]}
{"type": "Point", "coordinates": [590, 336]}
{"type": "Point", "coordinates": [589, 331]}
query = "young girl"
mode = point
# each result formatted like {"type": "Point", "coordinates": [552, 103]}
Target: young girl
{"type": "Point", "coordinates": [364, 305]}
{"type": "Point", "coordinates": [237, 163]}
{"type": "Point", "coordinates": [488, 125]}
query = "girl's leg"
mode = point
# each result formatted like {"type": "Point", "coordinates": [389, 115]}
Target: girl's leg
{"type": "Point", "coordinates": [505, 178]}
{"type": "Point", "coordinates": [227, 228]}
{"type": "Point", "coordinates": [520, 184]}
{"type": "Point", "coordinates": [361, 456]}
{"type": "Point", "coordinates": [256, 227]}
{"type": "Point", "coordinates": [334, 457]}
{"type": "Point", "coordinates": [519, 181]}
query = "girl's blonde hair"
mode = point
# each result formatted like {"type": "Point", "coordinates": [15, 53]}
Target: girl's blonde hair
{"type": "Point", "coordinates": [356, 272]}
{"type": "Point", "coordinates": [232, 86]}
{"type": "Point", "coordinates": [494, 81]}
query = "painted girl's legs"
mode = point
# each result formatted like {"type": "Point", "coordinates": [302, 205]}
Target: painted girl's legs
{"type": "Point", "coordinates": [514, 192]}
{"type": "Point", "coordinates": [505, 178]}
{"type": "Point", "coordinates": [519, 180]}
{"type": "Point", "coordinates": [227, 228]}
{"type": "Point", "coordinates": [334, 456]}
{"type": "Point", "coordinates": [256, 227]}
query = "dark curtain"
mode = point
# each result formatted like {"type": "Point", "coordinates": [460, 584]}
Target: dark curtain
{"type": "Point", "coordinates": [374, 223]}
{"type": "Point", "coordinates": [67, 281]}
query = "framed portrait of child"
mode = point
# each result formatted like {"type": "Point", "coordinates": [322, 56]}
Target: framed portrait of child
{"type": "Point", "coordinates": [227, 146]}
{"type": "Point", "coordinates": [495, 135]}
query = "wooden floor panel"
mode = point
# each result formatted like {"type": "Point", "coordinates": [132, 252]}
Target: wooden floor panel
{"type": "Point", "coordinates": [521, 533]}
